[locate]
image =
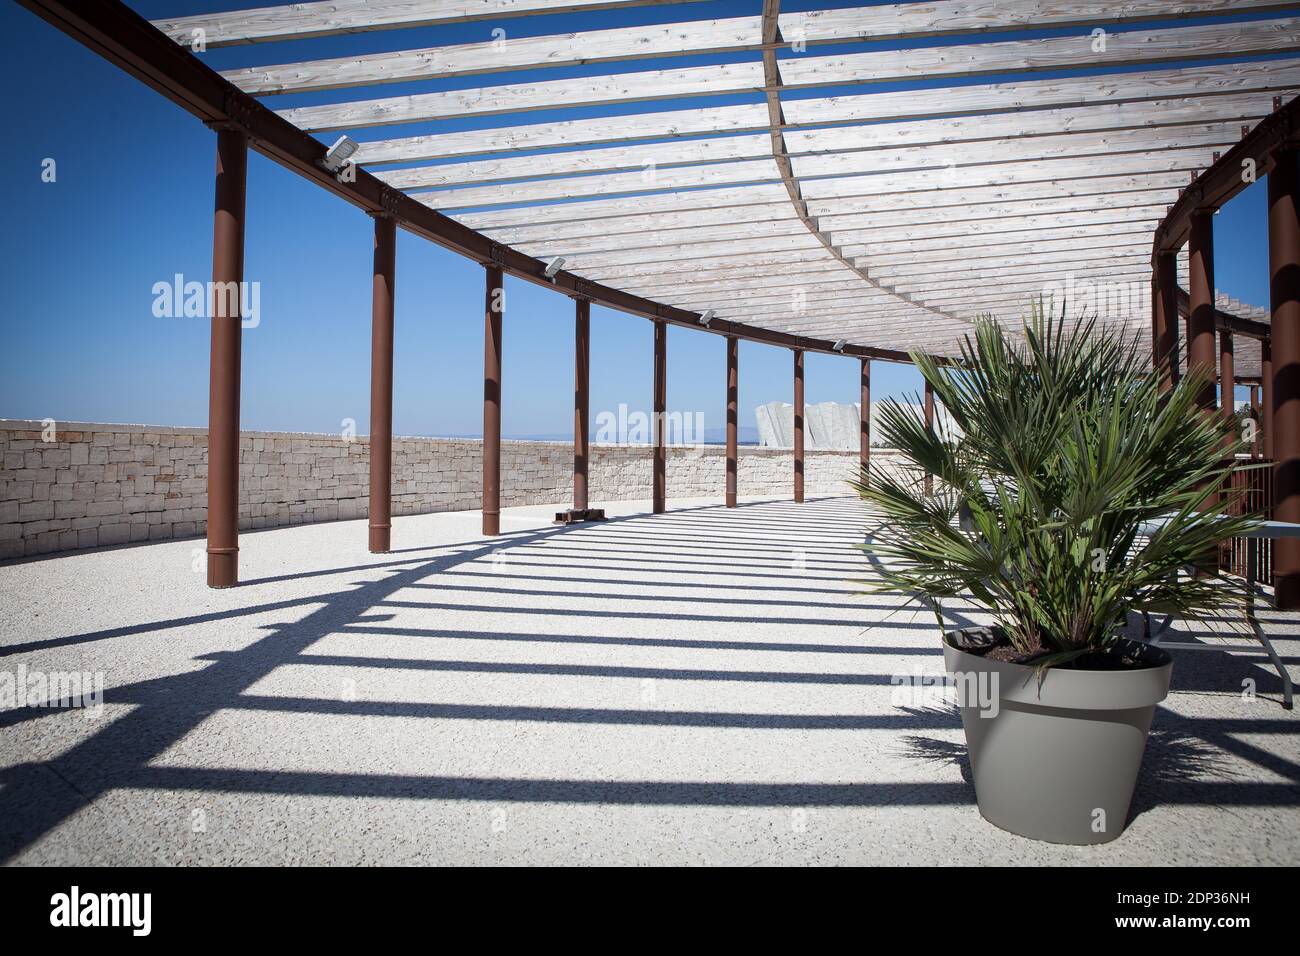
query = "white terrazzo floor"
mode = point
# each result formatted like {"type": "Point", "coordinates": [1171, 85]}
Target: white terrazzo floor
{"type": "Point", "coordinates": [704, 686]}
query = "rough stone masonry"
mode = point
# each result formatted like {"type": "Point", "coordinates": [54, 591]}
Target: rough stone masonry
{"type": "Point", "coordinates": [93, 485]}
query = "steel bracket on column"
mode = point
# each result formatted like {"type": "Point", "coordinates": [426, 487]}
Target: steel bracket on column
{"type": "Point", "coordinates": [389, 199]}
{"type": "Point", "coordinates": [239, 109]}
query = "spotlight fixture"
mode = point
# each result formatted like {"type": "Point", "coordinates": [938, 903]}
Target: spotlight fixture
{"type": "Point", "coordinates": [553, 267]}
{"type": "Point", "coordinates": [707, 317]}
{"type": "Point", "coordinates": [338, 154]}
{"type": "Point", "coordinates": [839, 345]}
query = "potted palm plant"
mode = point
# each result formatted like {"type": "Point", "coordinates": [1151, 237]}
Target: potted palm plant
{"type": "Point", "coordinates": [1069, 494]}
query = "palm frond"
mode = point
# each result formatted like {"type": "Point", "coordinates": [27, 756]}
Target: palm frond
{"type": "Point", "coordinates": [1064, 454]}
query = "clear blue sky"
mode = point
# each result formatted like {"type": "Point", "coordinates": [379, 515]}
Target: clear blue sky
{"type": "Point", "coordinates": [133, 205]}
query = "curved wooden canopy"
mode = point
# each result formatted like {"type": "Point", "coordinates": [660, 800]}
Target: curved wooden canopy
{"type": "Point", "coordinates": [879, 174]}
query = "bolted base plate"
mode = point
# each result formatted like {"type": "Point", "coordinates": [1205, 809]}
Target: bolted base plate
{"type": "Point", "coordinates": [575, 515]}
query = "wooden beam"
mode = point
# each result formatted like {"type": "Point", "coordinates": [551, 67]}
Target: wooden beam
{"type": "Point", "coordinates": [1021, 98]}
{"type": "Point", "coordinates": [833, 189]}
{"type": "Point", "coordinates": [334, 17]}
{"type": "Point", "coordinates": [777, 274]}
{"type": "Point", "coordinates": [854, 195]}
{"type": "Point", "coordinates": [959, 17]}
{"type": "Point", "coordinates": [601, 130]}
{"type": "Point", "coordinates": [1085, 244]}
{"type": "Point", "coordinates": [670, 256]}
{"type": "Point", "coordinates": [1085, 268]}
{"type": "Point", "coordinates": [913, 267]}
{"type": "Point", "coordinates": [648, 181]}
{"type": "Point", "coordinates": [646, 157]}
{"type": "Point", "coordinates": [706, 266]}
{"type": "Point", "coordinates": [1015, 56]}
{"type": "Point", "coordinates": [776, 281]}
{"type": "Point", "coordinates": [1153, 119]}
{"type": "Point", "coordinates": [997, 225]}
{"type": "Point", "coordinates": [642, 87]}
{"type": "Point", "coordinates": [677, 239]}
{"type": "Point", "coordinates": [1126, 48]}
{"type": "Point", "coordinates": [623, 44]}
{"type": "Point", "coordinates": [995, 238]}
{"type": "Point", "coordinates": [695, 37]}
{"type": "Point", "coordinates": [1031, 148]}
{"type": "Point", "coordinates": [591, 218]}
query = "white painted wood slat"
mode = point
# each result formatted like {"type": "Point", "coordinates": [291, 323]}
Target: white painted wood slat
{"type": "Point", "coordinates": [697, 37]}
{"type": "Point", "coordinates": [525, 97]}
{"type": "Point", "coordinates": [1212, 41]}
{"type": "Point", "coordinates": [1021, 97]}
{"type": "Point", "coordinates": [333, 17]}
{"type": "Point", "coordinates": [1138, 47]}
{"type": "Point", "coordinates": [648, 181]}
{"type": "Point", "coordinates": [1153, 118]}
{"type": "Point", "coordinates": [504, 55]}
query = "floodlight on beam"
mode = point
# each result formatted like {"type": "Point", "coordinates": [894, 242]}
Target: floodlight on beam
{"type": "Point", "coordinates": [707, 316]}
{"type": "Point", "coordinates": [553, 268]}
{"type": "Point", "coordinates": [336, 156]}
{"type": "Point", "coordinates": [839, 345]}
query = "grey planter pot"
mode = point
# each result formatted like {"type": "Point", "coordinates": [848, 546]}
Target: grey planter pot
{"type": "Point", "coordinates": [1056, 763]}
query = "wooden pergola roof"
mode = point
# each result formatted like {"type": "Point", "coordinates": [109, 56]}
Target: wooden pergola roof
{"type": "Point", "coordinates": [865, 180]}
{"type": "Point", "coordinates": [819, 208]}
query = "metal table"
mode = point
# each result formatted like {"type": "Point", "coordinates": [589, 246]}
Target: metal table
{"type": "Point", "coordinates": [1266, 529]}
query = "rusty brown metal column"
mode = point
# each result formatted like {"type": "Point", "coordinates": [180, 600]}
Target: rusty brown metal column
{"type": "Point", "coordinates": [929, 423]}
{"type": "Point", "coordinates": [1228, 382]}
{"type": "Point", "coordinates": [1266, 397]}
{"type": "Point", "coordinates": [381, 385]}
{"type": "Point", "coordinates": [1284, 295]}
{"type": "Point", "coordinates": [733, 400]}
{"type": "Point", "coordinates": [581, 400]}
{"type": "Point", "coordinates": [1200, 317]}
{"type": "Point", "coordinates": [798, 425]}
{"type": "Point", "coordinates": [1254, 409]}
{"type": "Point", "coordinates": [1164, 317]}
{"type": "Point", "coordinates": [494, 304]}
{"type": "Point", "coordinates": [659, 502]}
{"type": "Point", "coordinates": [864, 427]}
{"type": "Point", "coordinates": [223, 380]}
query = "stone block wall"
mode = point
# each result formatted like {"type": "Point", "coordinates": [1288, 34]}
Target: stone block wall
{"type": "Point", "coordinates": [89, 485]}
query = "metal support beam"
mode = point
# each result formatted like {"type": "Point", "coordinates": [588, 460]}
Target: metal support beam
{"type": "Point", "coordinates": [865, 419]}
{"type": "Point", "coordinates": [1223, 179]}
{"type": "Point", "coordinates": [1266, 397]}
{"type": "Point", "coordinates": [1164, 318]}
{"type": "Point", "coordinates": [381, 385]}
{"type": "Point", "coordinates": [131, 42]}
{"type": "Point", "coordinates": [798, 425]}
{"type": "Point", "coordinates": [1254, 413]}
{"type": "Point", "coordinates": [494, 306]}
{"type": "Point", "coordinates": [659, 503]}
{"type": "Point", "coordinates": [733, 398]}
{"type": "Point", "coordinates": [929, 423]}
{"type": "Point", "coordinates": [1284, 294]}
{"type": "Point", "coordinates": [1228, 383]}
{"type": "Point", "coordinates": [581, 400]}
{"type": "Point", "coordinates": [1200, 317]}
{"type": "Point", "coordinates": [223, 380]}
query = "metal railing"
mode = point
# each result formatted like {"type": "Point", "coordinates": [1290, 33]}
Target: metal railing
{"type": "Point", "coordinates": [1251, 491]}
